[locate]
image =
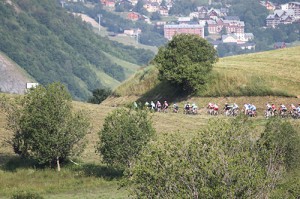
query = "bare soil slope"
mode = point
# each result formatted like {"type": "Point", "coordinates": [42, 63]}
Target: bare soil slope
{"type": "Point", "coordinates": [12, 78]}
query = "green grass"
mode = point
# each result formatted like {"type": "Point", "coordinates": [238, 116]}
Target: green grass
{"type": "Point", "coordinates": [126, 40]}
{"type": "Point", "coordinates": [130, 68]}
{"type": "Point", "coordinates": [69, 183]}
{"type": "Point", "coordinates": [273, 73]}
{"type": "Point", "coordinates": [93, 179]}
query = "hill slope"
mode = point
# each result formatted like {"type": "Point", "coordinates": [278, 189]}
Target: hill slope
{"type": "Point", "coordinates": [13, 78]}
{"type": "Point", "coordinates": [260, 74]}
{"type": "Point", "coordinates": [53, 45]}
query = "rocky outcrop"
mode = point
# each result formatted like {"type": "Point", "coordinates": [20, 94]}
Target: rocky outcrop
{"type": "Point", "coordinates": [12, 78]}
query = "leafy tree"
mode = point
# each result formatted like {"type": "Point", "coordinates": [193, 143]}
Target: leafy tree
{"type": "Point", "coordinates": [155, 16]}
{"type": "Point", "coordinates": [99, 95]}
{"type": "Point", "coordinates": [124, 134]}
{"type": "Point", "coordinates": [280, 152]}
{"type": "Point", "coordinates": [45, 128]}
{"type": "Point", "coordinates": [222, 161]}
{"type": "Point", "coordinates": [186, 61]}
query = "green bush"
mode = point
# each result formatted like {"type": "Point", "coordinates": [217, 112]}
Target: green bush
{"type": "Point", "coordinates": [26, 195]}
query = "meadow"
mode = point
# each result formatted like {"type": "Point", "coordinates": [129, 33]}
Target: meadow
{"type": "Point", "coordinates": [93, 179]}
{"type": "Point", "coordinates": [271, 73]}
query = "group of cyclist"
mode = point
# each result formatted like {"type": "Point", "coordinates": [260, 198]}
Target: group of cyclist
{"type": "Point", "coordinates": [158, 106]}
{"type": "Point", "coordinates": [282, 110]}
{"type": "Point", "coordinates": [228, 110]}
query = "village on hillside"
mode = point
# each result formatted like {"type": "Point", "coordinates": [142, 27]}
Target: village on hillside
{"type": "Point", "coordinates": [214, 24]}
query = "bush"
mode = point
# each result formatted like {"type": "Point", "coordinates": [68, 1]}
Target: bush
{"type": "Point", "coordinates": [124, 134]}
{"type": "Point", "coordinates": [26, 195]}
{"type": "Point", "coordinates": [222, 161]}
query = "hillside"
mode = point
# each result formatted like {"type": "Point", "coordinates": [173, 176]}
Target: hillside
{"type": "Point", "coordinates": [89, 180]}
{"type": "Point", "coordinates": [13, 78]}
{"type": "Point", "coordinates": [261, 74]}
{"type": "Point", "coordinates": [53, 45]}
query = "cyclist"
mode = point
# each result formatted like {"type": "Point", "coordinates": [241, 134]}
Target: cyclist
{"type": "Point", "coordinates": [165, 106]}
{"type": "Point", "coordinates": [194, 108]}
{"type": "Point", "coordinates": [158, 106]}
{"type": "Point", "coordinates": [175, 108]}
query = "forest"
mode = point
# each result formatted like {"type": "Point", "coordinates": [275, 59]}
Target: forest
{"type": "Point", "coordinates": [52, 45]}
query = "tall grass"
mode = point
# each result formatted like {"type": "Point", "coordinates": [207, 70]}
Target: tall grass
{"type": "Point", "coordinates": [273, 73]}
{"type": "Point", "coordinates": [230, 84]}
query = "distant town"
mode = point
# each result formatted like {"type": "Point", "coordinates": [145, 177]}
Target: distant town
{"type": "Point", "coordinates": [209, 22]}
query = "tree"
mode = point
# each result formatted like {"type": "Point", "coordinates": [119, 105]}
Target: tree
{"type": "Point", "coordinates": [99, 95]}
{"type": "Point", "coordinates": [155, 16]}
{"type": "Point", "coordinates": [124, 134]}
{"type": "Point", "coordinates": [186, 61]}
{"type": "Point", "coordinates": [222, 161]}
{"type": "Point", "coordinates": [45, 127]}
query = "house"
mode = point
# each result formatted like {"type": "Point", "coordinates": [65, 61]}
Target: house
{"type": "Point", "coordinates": [160, 23]}
{"type": "Point", "coordinates": [30, 86]}
{"type": "Point", "coordinates": [214, 27]}
{"type": "Point", "coordinates": [184, 20]}
{"type": "Point", "coordinates": [280, 17]}
{"type": "Point", "coordinates": [152, 7]}
{"type": "Point", "coordinates": [109, 3]}
{"type": "Point", "coordinates": [230, 38]}
{"type": "Point", "coordinates": [268, 4]}
{"type": "Point", "coordinates": [213, 13]}
{"type": "Point", "coordinates": [295, 6]}
{"type": "Point", "coordinates": [132, 32]}
{"type": "Point", "coordinates": [231, 26]}
{"type": "Point", "coordinates": [247, 46]}
{"type": "Point", "coordinates": [224, 12]}
{"type": "Point", "coordinates": [134, 16]}
{"type": "Point", "coordinates": [194, 15]}
{"type": "Point", "coordinates": [202, 11]}
{"type": "Point", "coordinates": [171, 30]}
{"type": "Point", "coordinates": [133, 2]}
{"type": "Point", "coordinates": [163, 11]}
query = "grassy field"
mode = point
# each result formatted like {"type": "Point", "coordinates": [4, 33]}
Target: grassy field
{"type": "Point", "coordinates": [262, 74]}
{"type": "Point", "coordinates": [92, 179]}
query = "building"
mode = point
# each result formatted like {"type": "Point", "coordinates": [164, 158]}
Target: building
{"type": "Point", "coordinates": [134, 16]}
{"type": "Point", "coordinates": [133, 32]}
{"type": "Point", "coordinates": [152, 7]}
{"type": "Point", "coordinates": [171, 30]}
{"type": "Point", "coordinates": [268, 4]}
{"type": "Point", "coordinates": [231, 26]}
{"type": "Point", "coordinates": [280, 17]}
{"type": "Point", "coordinates": [184, 20]}
{"type": "Point", "coordinates": [296, 7]}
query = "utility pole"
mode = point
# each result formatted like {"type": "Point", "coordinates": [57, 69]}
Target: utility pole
{"type": "Point", "coordinates": [137, 36]}
{"type": "Point", "coordinates": [62, 3]}
{"type": "Point", "coordinates": [99, 17]}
